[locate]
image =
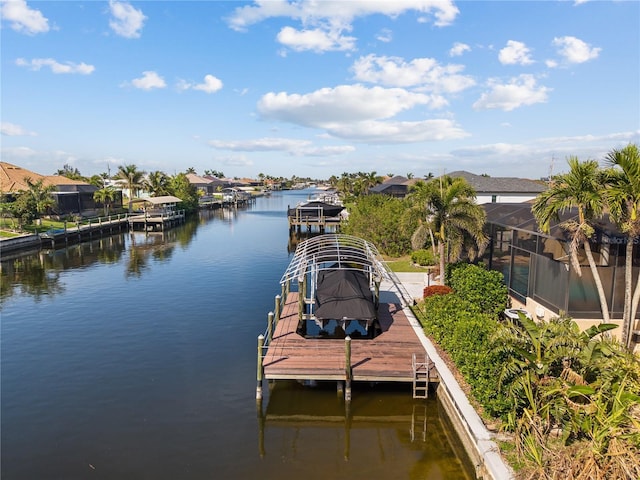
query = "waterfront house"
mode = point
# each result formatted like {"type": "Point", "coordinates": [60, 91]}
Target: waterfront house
{"type": "Point", "coordinates": [396, 186]}
{"type": "Point", "coordinates": [72, 197]}
{"type": "Point", "coordinates": [537, 269]}
{"type": "Point", "coordinates": [501, 189]}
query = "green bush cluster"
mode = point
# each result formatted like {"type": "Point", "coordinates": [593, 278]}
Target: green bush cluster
{"type": "Point", "coordinates": [463, 331]}
{"type": "Point", "coordinates": [423, 257]}
{"type": "Point", "coordinates": [483, 288]}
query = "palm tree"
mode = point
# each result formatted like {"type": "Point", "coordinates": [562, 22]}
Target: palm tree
{"type": "Point", "coordinates": [580, 188]}
{"type": "Point", "coordinates": [623, 199]}
{"type": "Point", "coordinates": [40, 196]}
{"type": "Point", "coordinates": [132, 177]}
{"type": "Point", "coordinates": [105, 195]}
{"type": "Point", "coordinates": [452, 217]}
{"type": "Point", "coordinates": [157, 183]}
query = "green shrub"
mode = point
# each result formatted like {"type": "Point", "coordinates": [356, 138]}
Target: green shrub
{"type": "Point", "coordinates": [481, 287]}
{"type": "Point", "coordinates": [464, 333]}
{"type": "Point", "coordinates": [423, 257]}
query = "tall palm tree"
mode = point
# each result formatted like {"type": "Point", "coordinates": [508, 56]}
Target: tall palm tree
{"type": "Point", "coordinates": [105, 195]}
{"type": "Point", "coordinates": [453, 218]}
{"type": "Point", "coordinates": [580, 188]}
{"type": "Point", "coordinates": [623, 199]}
{"type": "Point", "coordinates": [132, 178]}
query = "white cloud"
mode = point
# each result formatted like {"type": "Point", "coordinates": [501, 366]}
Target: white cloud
{"type": "Point", "coordinates": [288, 145]}
{"type": "Point", "coordinates": [235, 161]}
{"type": "Point", "coordinates": [56, 67]}
{"type": "Point", "coordinates": [520, 91]}
{"type": "Point", "coordinates": [127, 21]}
{"type": "Point", "coordinates": [385, 35]}
{"type": "Point", "coordinates": [357, 113]}
{"type": "Point", "coordinates": [377, 132]}
{"type": "Point", "coordinates": [515, 53]}
{"type": "Point", "coordinates": [339, 105]}
{"type": "Point", "coordinates": [13, 130]}
{"type": "Point", "coordinates": [317, 40]}
{"type": "Point", "coordinates": [323, 22]}
{"type": "Point", "coordinates": [574, 50]}
{"type": "Point", "coordinates": [148, 81]}
{"type": "Point", "coordinates": [18, 153]}
{"type": "Point", "coordinates": [267, 144]}
{"type": "Point", "coordinates": [211, 84]}
{"type": "Point", "coordinates": [419, 72]}
{"type": "Point", "coordinates": [458, 49]}
{"type": "Point", "coordinates": [22, 18]}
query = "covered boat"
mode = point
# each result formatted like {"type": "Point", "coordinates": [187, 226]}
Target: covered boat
{"type": "Point", "coordinates": [338, 279]}
{"type": "Point", "coordinates": [315, 209]}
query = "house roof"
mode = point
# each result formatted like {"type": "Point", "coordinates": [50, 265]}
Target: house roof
{"type": "Point", "coordinates": [483, 184]}
{"type": "Point", "coordinates": [196, 179]}
{"type": "Point", "coordinates": [162, 200]}
{"type": "Point", "coordinates": [520, 216]}
{"type": "Point", "coordinates": [13, 179]}
{"type": "Point", "coordinates": [395, 180]}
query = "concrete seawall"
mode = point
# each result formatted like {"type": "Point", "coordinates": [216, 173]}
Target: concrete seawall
{"type": "Point", "coordinates": [24, 242]}
{"type": "Point", "coordinates": [476, 438]}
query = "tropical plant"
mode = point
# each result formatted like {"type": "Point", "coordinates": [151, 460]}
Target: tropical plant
{"type": "Point", "coordinates": [106, 196]}
{"type": "Point", "coordinates": [157, 183]}
{"type": "Point", "coordinates": [132, 179]}
{"type": "Point", "coordinates": [39, 197]}
{"type": "Point", "coordinates": [623, 199]}
{"type": "Point", "coordinates": [452, 217]}
{"type": "Point", "coordinates": [180, 187]}
{"type": "Point", "coordinates": [580, 188]}
{"type": "Point", "coordinates": [382, 220]}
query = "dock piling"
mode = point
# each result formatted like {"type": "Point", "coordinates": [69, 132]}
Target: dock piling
{"type": "Point", "coordinates": [260, 371]}
{"type": "Point", "coordinates": [347, 369]}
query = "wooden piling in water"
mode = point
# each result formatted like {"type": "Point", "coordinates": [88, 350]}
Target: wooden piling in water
{"type": "Point", "coordinates": [347, 369]}
{"type": "Point", "coordinates": [260, 370]}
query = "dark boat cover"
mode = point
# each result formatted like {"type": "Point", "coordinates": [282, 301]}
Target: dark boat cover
{"type": "Point", "coordinates": [316, 208]}
{"type": "Point", "coordinates": [344, 294]}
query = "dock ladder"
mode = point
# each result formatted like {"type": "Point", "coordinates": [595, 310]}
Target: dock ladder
{"type": "Point", "coordinates": [420, 377]}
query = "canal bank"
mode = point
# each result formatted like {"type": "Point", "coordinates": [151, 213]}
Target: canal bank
{"type": "Point", "coordinates": [474, 435]}
{"type": "Point", "coordinates": [133, 356]}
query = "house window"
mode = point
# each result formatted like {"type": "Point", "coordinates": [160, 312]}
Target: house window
{"type": "Point", "coordinates": [494, 198]}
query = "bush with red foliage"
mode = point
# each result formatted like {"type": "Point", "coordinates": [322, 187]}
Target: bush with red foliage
{"type": "Point", "coordinates": [436, 290]}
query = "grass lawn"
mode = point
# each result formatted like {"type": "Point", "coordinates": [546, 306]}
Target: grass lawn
{"type": "Point", "coordinates": [404, 264]}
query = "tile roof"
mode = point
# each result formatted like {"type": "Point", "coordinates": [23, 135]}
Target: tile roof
{"type": "Point", "coordinates": [483, 184]}
{"type": "Point", "coordinates": [12, 179]}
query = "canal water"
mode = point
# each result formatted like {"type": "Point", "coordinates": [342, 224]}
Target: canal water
{"type": "Point", "coordinates": [134, 356]}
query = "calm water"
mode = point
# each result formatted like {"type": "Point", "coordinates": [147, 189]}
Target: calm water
{"type": "Point", "coordinates": [134, 357]}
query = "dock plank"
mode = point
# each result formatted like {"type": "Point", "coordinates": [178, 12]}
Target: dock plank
{"type": "Point", "coordinates": [387, 357]}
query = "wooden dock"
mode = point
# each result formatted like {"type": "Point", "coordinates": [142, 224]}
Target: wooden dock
{"type": "Point", "coordinates": [389, 357]}
{"type": "Point", "coordinates": [320, 223]}
{"type": "Point", "coordinates": [156, 222]}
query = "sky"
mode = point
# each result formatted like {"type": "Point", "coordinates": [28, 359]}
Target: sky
{"type": "Point", "coordinates": [315, 88]}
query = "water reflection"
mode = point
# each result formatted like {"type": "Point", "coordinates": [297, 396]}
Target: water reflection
{"type": "Point", "coordinates": [37, 273]}
{"type": "Point", "coordinates": [301, 423]}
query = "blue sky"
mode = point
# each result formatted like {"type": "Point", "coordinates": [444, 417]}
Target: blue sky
{"type": "Point", "coordinates": [318, 88]}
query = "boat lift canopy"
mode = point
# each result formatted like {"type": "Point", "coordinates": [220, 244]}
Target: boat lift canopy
{"type": "Point", "coordinates": [335, 252]}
